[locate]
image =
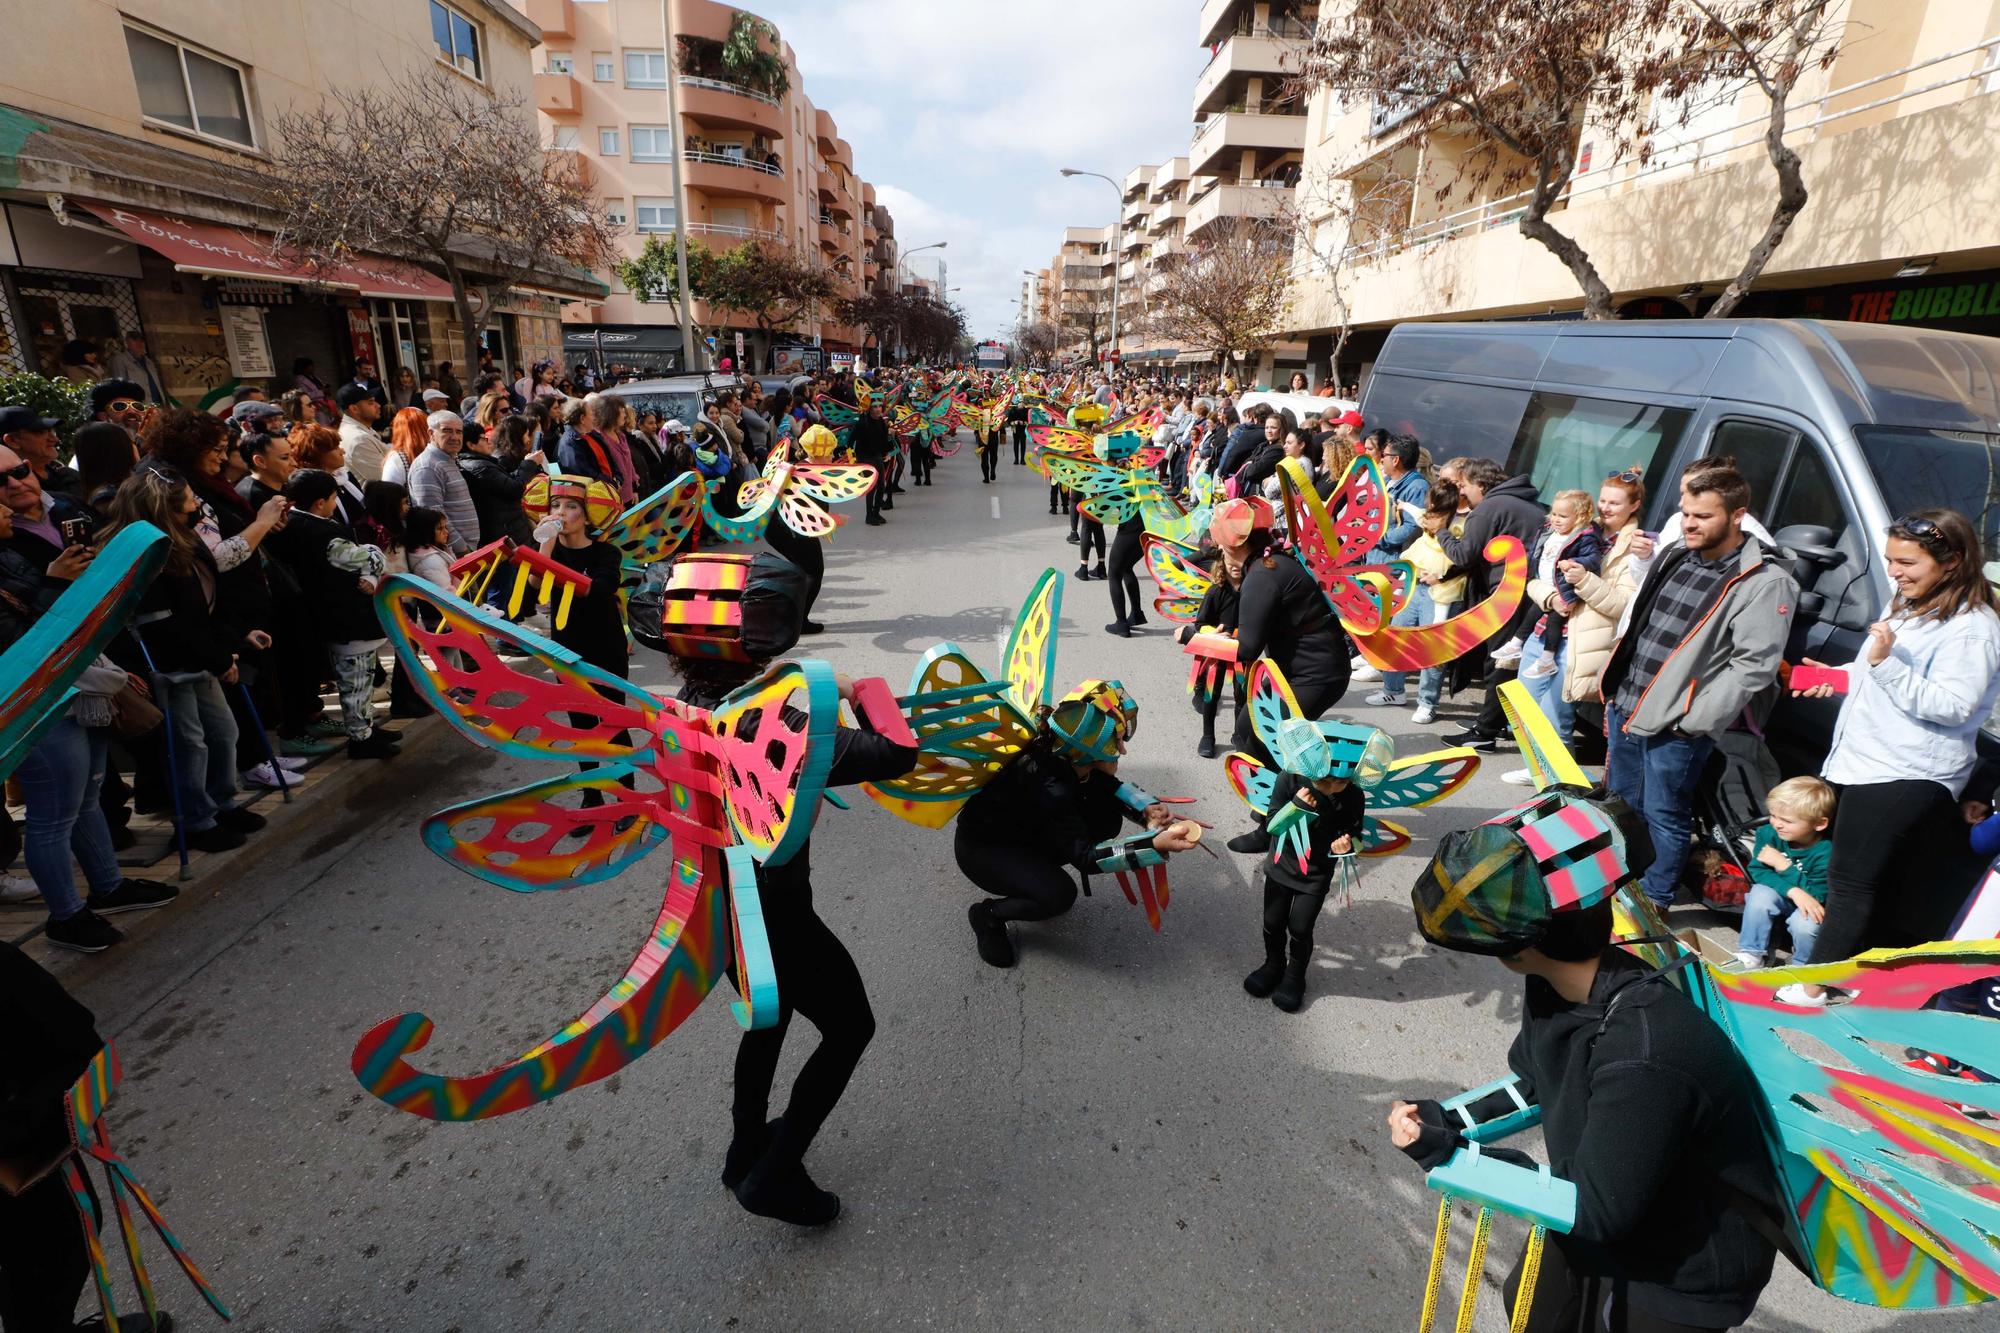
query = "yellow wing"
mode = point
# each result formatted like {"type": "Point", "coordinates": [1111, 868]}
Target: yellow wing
{"type": "Point", "coordinates": [1030, 663]}
{"type": "Point", "coordinates": [966, 731]}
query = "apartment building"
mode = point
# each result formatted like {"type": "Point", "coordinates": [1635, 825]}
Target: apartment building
{"type": "Point", "coordinates": [137, 159]}
{"type": "Point", "coordinates": [1903, 225]}
{"type": "Point", "coordinates": [1079, 286]}
{"type": "Point", "coordinates": [760, 163]}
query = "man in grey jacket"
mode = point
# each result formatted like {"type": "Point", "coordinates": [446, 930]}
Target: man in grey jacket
{"type": "Point", "coordinates": [1709, 626]}
{"type": "Point", "coordinates": [436, 483]}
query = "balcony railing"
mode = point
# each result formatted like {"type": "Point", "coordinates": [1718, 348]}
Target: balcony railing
{"type": "Point", "coordinates": [721, 86]}
{"type": "Point", "coordinates": [739, 233]}
{"type": "Point", "coordinates": [1688, 154]}
{"type": "Point", "coordinates": [731, 160]}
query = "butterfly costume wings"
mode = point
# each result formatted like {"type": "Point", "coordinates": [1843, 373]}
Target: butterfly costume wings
{"type": "Point", "coordinates": [796, 492]}
{"type": "Point", "coordinates": [724, 790]}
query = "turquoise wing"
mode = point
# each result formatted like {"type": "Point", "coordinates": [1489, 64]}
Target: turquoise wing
{"type": "Point", "coordinates": [1424, 779]}
{"type": "Point", "coordinates": [1252, 782]}
{"type": "Point", "coordinates": [1270, 701]}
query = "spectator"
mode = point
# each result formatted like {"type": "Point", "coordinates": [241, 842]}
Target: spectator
{"type": "Point", "coordinates": [437, 483]}
{"type": "Point", "coordinates": [495, 488]}
{"type": "Point", "coordinates": [1906, 743]}
{"type": "Point", "coordinates": [271, 465]}
{"type": "Point", "coordinates": [607, 414]}
{"type": "Point", "coordinates": [1264, 460]}
{"type": "Point", "coordinates": [81, 362]}
{"type": "Point", "coordinates": [409, 436]}
{"type": "Point", "coordinates": [427, 548]}
{"type": "Point", "coordinates": [299, 409]}
{"type": "Point", "coordinates": [1297, 383]}
{"type": "Point", "coordinates": [121, 401]}
{"type": "Point", "coordinates": [105, 455]}
{"type": "Point", "coordinates": [1708, 629]}
{"type": "Point", "coordinates": [358, 437]}
{"type": "Point", "coordinates": [365, 378]}
{"type": "Point", "coordinates": [485, 383]}
{"type": "Point", "coordinates": [306, 380]}
{"type": "Point", "coordinates": [577, 453]}
{"type": "Point", "coordinates": [1443, 590]}
{"type": "Point", "coordinates": [1571, 537]}
{"type": "Point", "coordinates": [339, 577]}
{"type": "Point", "coordinates": [33, 436]}
{"type": "Point", "coordinates": [1408, 496]}
{"type": "Point", "coordinates": [318, 447]}
{"type": "Point", "coordinates": [258, 422]}
{"type": "Point", "coordinates": [1501, 506]}
{"type": "Point", "coordinates": [448, 383]}
{"type": "Point", "coordinates": [1593, 629]}
{"type": "Point", "coordinates": [191, 652]}
{"type": "Point", "coordinates": [1243, 442]}
{"type": "Point", "coordinates": [132, 363]}
{"type": "Point", "coordinates": [1788, 871]}
{"type": "Point", "coordinates": [408, 393]}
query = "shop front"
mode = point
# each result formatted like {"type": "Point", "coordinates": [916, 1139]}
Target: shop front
{"type": "Point", "coordinates": [636, 349]}
{"type": "Point", "coordinates": [1961, 302]}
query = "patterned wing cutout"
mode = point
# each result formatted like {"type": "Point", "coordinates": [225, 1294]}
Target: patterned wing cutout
{"type": "Point", "coordinates": [966, 732]}
{"type": "Point", "coordinates": [1182, 582]}
{"type": "Point", "coordinates": [1332, 545]}
{"type": "Point", "coordinates": [43, 663]}
{"type": "Point", "coordinates": [1030, 664]}
{"type": "Point", "coordinates": [1253, 783]}
{"type": "Point", "coordinates": [1424, 779]}
{"type": "Point", "coordinates": [658, 526]}
{"type": "Point", "coordinates": [1270, 702]}
{"type": "Point", "coordinates": [1103, 491]}
{"type": "Point", "coordinates": [536, 837]}
{"type": "Point", "coordinates": [834, 485]}
{"type": "Point", "coordinates": [774, 739]}
{"type": "Point", "coordinates": [574, 712]}
{"type": "Point", "coordinates": [674, 971]}
{"type": "Point", "coordinates": [747, 526]}
{"type": "Point", "coordinates": [1379, 837]}
{"type": "Point", "coordinates": [1412, 649]}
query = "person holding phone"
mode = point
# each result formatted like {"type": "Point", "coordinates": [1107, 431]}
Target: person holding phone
{"type": "Point", "coordinates": [1905, 744]}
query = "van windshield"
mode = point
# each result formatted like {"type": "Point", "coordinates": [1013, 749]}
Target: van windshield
{"type": "Point", "coordinates": [1921, 469]}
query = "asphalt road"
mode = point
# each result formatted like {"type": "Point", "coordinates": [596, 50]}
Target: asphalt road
{"type": "Point", "coordinates": [1112, 1134]}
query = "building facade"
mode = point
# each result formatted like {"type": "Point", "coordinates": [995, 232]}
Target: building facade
{"type": "Point", "coordinates": [1903, 224]}
{"type": "Point", "coordinates": [760, 163]}
{"type": "Point", "coordinates": [137, 189]}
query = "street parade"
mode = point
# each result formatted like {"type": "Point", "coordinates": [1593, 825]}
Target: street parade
{"type": "Point", "coordinates": [1554, 887]}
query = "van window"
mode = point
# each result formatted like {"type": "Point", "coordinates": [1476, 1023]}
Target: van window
{"type": "Point", "coordinates": [1508, 357]}
{"type": "Point", "coordinates": [1809, 495]}
{"type": "Point", "coordinates": [1922, 469]}
{"type": "Point", "coordinates": [1634, 365]}
{"type": "Point", "coordinates": [1760, 449]}
{"type": "Point", "coordinates": [1447, 417]}
{"type": "Point", "coordinates": [1567, 442]}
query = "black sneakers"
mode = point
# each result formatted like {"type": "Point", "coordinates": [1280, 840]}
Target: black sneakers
{"type": "Point", "coordinates": [1120, 628]}
{"type": "Point", "coordinates": [86, 932]}
{"type": "Point", "coordinates": [239, 818]}
{"type": "Point", "coordinates": [133, 895]}
{"type": "Point", "coordinates": [1083, 571]}
{"type": "Point", "coordinates": [377, 746]}
{"type": "Point", "coordinates": [1256, 840]}
{"type": "Point", "coordinates": [1474, 739]}
{"type": "Point", "coordinates": [994, 946]}
{"type": "Point", "coordinates": [216, 839]}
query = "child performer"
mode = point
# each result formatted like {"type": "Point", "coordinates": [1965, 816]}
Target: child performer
{"type": "Point", "coordinates": [1314, 820]}
{"type": "Point", "coordinates": [595, 627]}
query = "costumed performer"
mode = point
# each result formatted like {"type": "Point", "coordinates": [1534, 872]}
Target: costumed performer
{"type": "Point", "coordinates": [571, 511]}
{"type": "Point", "coordinates": [720, 643]}
{"type": "Point", "coordinates": [1220, 607]}
{"type": "Point", "coordinates": [1051, 808]}
{"type": "Point", "coordinates": [1315, 819]}
{"type": "Point", "coordinates": [1645, 1105]}
{"type": "Point", "coordinates": [804, 551]}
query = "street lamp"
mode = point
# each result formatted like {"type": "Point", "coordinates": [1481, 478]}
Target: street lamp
{"type": "Point", "coordinates": [934, 245]}
{"type": "Point", "coordinates": [1117, 244]}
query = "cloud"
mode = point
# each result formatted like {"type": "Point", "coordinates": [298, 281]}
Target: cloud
{"type": "Point", "coordinates": [961, 114]}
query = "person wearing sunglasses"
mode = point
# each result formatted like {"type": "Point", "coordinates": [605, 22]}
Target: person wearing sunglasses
{"type": "Point", "coordinates": [1905, 745]}
{"type": "Point", "coordinates": [33, 436]}
{"type": "Point", "coordinates": [120, 401]}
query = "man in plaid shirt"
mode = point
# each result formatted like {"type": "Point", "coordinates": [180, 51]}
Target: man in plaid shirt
{"type": "Point", "coordinates": [1705, 636]}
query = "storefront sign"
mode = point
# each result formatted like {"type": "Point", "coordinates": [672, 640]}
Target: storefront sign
{"type": "Point", "coordinates": [361, 336]}
{"type": "Point", "coordinates": [249, 344]}
{"type": "Point", "coordinates": [1898, 305]}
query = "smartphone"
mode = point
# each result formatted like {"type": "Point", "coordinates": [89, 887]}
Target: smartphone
{"type": "Point", "coordinates": [1806, 677]}
{"type": "Point", "coordinates": [75, 531]}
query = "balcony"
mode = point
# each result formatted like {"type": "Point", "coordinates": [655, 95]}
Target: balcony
{"type": "Point", "coordinates": [1225, 135]}
{"type": "Point", "coordinates": [1240, 58]}
{"type": "Point", "coordinates": [1163, 217]}
{"type": "Point", "coordinates": [1236, 201]}
{"type": "Point", "coordinates": [720, 236]}
{"type": "Point", "coordinates": [555, 18]}
{"type": "Point", "coordinates": [720, 174]}
{"type": "Point", "coordinates": [1221, 18]}
{"type": "Point", "coordinates": [715, 102]}
{"type": "Point", "coordinates": [843, 153]}
{"type": "Point", "coordinates": [868, 197]}
{"type": "Point", "coordinates": [870, 234]}
{"type": "Point", "coordinates": [840, 205]}
{"type": "Point", "coordinates": [823, 131]}
{"type": "Point", "coordinates": [830, 237]}
{"type": "Point", "coordinates": [557, 94]}
{"type": "Point", "coordinates": [823, 179]}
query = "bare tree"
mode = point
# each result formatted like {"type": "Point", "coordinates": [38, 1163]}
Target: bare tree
{"type": "Point", "coordinates": [1228, 292]}
{"type": "Point", "coordinates": [1038, 341]}
{"type": "Point", "coordinates": [431, 171]}
{"type": "Point", "coordinates": [1086, 314]}
{"type": "Point", "coordinates": [1339, 218]}
{"type": "Point", "coordinates": [1528, 77]}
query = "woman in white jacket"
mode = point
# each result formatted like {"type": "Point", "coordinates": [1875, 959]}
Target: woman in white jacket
{"type": "Point", "coordinates": [1905, 744]}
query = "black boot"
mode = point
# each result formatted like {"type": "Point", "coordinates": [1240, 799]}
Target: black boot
{"type": "Point", "coordinates": [778, 1186]}
{"type": "Point", "coordinates": [1099, 573]}
{"type": "Point", "coordinates": [1291, 992]}
{"type": "Point", "coordinates": [746, 1148]}
{"type": "Point", "coordinates": [1261, 982]}
{"type": "Point", "coordinates": [1256, 840]}
{"type": "Point", "coordinates": [1207, 747]}
{"type": "Point", "coordinates": [990, 935]}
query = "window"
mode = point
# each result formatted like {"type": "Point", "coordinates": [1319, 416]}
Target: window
{"type": "Point", "coordinates": [561, 62]}
{"type": "Point", "coordinates": [654, 214]}
{"type": "Point", "coordinates": [645, 69]}
{"type": "Point", "coordinates": [563, 139]}
{"type": "Point", "coordinates": [607, 141]}
{"type": "Point", "coordinates": [1568, 443]}
{"type": "Point", "coordinates": [600, 66]}
{"type": "Point", "coordinates": [182, 87]}
{"type": "Point", "coordinates": [652, 143]}
{"type": "Point", "coordinates": [614, 212]}
{"type": "Point", "coordinates": [457, 39]}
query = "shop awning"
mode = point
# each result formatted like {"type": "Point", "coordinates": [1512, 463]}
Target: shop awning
{"type": "Point", "coordinates": [239, 252]}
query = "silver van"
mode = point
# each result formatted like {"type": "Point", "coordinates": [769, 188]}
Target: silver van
{"type": "Point", "coordinates": [1839, 427]}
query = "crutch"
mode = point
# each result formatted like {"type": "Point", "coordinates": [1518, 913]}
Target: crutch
{"type": "Point", "coordinates": [173, 760]}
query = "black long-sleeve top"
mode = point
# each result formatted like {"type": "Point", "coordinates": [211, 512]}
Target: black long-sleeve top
{"type": "Point", "coordinates": [595, 630]}
{"type": "Point", "coordinates": [1649, 1110]}
{"type": "Point", "coordinates": [1335, 815]}
{"type": "Point", "coordinates": [47, 1041]}
{"type": "Point", "coordinates": [1284, 614]}
{"type": "Point", "coordinates": [1040, 800]}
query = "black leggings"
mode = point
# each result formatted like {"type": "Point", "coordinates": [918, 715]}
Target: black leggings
{"type": "Point", "coordinates": [1222, 678]}
{"type": "Point", "coordinates": [1026, 885]}
{"type": "Point", "coordinates": [1020, 444]}
{"type": "Point", "coordinates": [1890, 880]}
{"type": "Point", "coordinates": [1290, 912]}
{"type": "Point", "coordinates": [1092, 532]}
{"type": "Point", "coordinates": [921, 462]}
{"type": "Point", "coordinates": [1126, 548]}
{"type": "Point", "coordinates": [1570, 1302]}
{"type": "Point", "coordinates": [816, 978]}
{"type": "Point", "coordinates": [989, 457]}
{"type": "Point", "coordinates": [1313, 702]}
{"type": "Point", "coordinates": [45, 1261]}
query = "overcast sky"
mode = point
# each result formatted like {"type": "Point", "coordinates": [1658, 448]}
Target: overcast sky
{"type": "Point", "coordinates": [960, 115]}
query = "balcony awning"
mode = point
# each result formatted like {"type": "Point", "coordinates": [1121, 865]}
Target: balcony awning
{"type": "Point", "coordinates": [239, 252]}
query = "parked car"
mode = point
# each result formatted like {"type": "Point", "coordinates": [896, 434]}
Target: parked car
{"type": "Point", "coordinates": [673, 397]}
{"type": "Point", "coordinates": [1300, 405]}
{"type": "Point", "coordinates": [1839, 427]}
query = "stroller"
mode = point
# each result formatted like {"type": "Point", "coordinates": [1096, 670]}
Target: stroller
{"type": "Point", "coordinates": [1729, 809]}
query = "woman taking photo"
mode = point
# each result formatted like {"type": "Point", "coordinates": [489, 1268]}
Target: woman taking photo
{"type": "Point", "coordinates": [1905, 745]}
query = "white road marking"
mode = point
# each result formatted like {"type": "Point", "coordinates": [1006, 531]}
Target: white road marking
{"type": "Point", "coordinates": [996, 506]}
